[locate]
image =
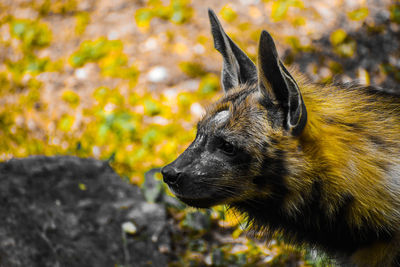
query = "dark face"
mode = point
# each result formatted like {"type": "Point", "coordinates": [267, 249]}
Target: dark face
{"type": "Point", "coordinates": [202, 175]}
{"type": "Point", "coordinates": [225, 161]}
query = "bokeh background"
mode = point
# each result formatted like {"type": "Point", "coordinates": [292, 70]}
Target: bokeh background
{"type": "Point", "coordinates": [127, 80]}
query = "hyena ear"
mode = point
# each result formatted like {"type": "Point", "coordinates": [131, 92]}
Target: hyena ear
{"type": "Point", "coordinates": [237, 67]}
{"type": "Point", "coordinates": [279, 87]}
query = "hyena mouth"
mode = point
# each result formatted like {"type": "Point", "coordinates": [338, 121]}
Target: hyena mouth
{"type": "Point", "coordinates": [197, 201]}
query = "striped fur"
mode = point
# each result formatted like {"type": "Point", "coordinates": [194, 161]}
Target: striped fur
{"type": "Point", "coordinates": [333, 184]}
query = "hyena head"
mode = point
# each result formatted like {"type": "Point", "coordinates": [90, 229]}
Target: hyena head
{"type": "Point", "coordinates": [235, 155]}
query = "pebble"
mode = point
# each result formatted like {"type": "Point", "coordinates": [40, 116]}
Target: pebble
{"type": "Point", "coordinates": [129, 227]}
{"type": "Point", "coordinates": [81, 74]}
{"type": "Point", "coordinates": [157, 74]}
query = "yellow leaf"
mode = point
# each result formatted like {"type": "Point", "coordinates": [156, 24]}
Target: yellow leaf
{"type": "Point", "coordinates": [227, 13]}
{"type": "Point", "coordinates": [358, 14]}
{"type": "Point", "coordinates": [281, 7]}
{"type": "Point", "coordinates": [66, 122]}
{"type": "Point", "coordinates": [70, 97]}
{"type": "Point", "coordinates": [82, 187]}
{"type": "Point", "coordinates": [338, 37]}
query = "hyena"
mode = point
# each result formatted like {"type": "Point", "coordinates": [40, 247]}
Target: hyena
{"type": "Point", "coordinates": [317, 165]}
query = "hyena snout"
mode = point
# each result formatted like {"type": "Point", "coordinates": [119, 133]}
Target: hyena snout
{"type": "Point", "coordinates": [171, 174]}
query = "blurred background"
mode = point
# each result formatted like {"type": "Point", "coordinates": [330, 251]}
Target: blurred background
{"type": "Point", "coordinates": [127, 80]}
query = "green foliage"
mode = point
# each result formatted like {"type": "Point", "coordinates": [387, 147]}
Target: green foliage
{"type": "Point", "coordinates": [115, 65]}
{"type": "Point", "coordinates": [358, 14]}
{"type": "Point", "coordinates": [343, 44]}
{"type": "Point", "coordinates": [32, 34]}
{"type": "Point", "coordinates": [62, 7]}
{"type": "Point", "coordinates": [297, 47]}
{"type": "Point", "coordinates": [71, 98]}
{"type": "Point", "coordinates": [193, 69]}
{"type": "Point", "coordinates": [108, 54]}
{"type": "Point", "coordinates": [280, 8]}
{"type": "Point", "coordinates": [178, 11]}
{"type": "Point", "coordinates": [209, 84]}
{"type": "Point", "coordinates": [151, 107]}
{"type": "Point", "coordinates": [92, 51]}
{"type": "Point", "coordinates": [227, 13]}
{"type": "Point", "coordinates": [395, 13]}
{"type": "Point", "coordinates": [28, 64]}
{"type": "Point", "coordinates": [82, 20]}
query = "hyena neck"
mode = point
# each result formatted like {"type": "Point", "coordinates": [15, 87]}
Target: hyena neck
{"type": "Point", "coordinates": [310, 225]}
{"type": "Point", "coordinates": [324, 198]}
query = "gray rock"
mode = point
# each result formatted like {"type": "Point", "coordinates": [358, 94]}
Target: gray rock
{"type": "Point", "coordinates": [69, 211]}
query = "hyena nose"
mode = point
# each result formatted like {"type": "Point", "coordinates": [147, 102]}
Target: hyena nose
{"type": "Point", "coordinates": [170, 174]}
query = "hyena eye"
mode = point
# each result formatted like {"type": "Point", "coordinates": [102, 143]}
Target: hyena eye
{"type": "Point", "coordinates": [226, 147]}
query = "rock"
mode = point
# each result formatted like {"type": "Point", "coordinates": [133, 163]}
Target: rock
{"type": "Point", "coordinates": [157, 74]}
{"type": "Point", "coordinates": [69, 211]}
